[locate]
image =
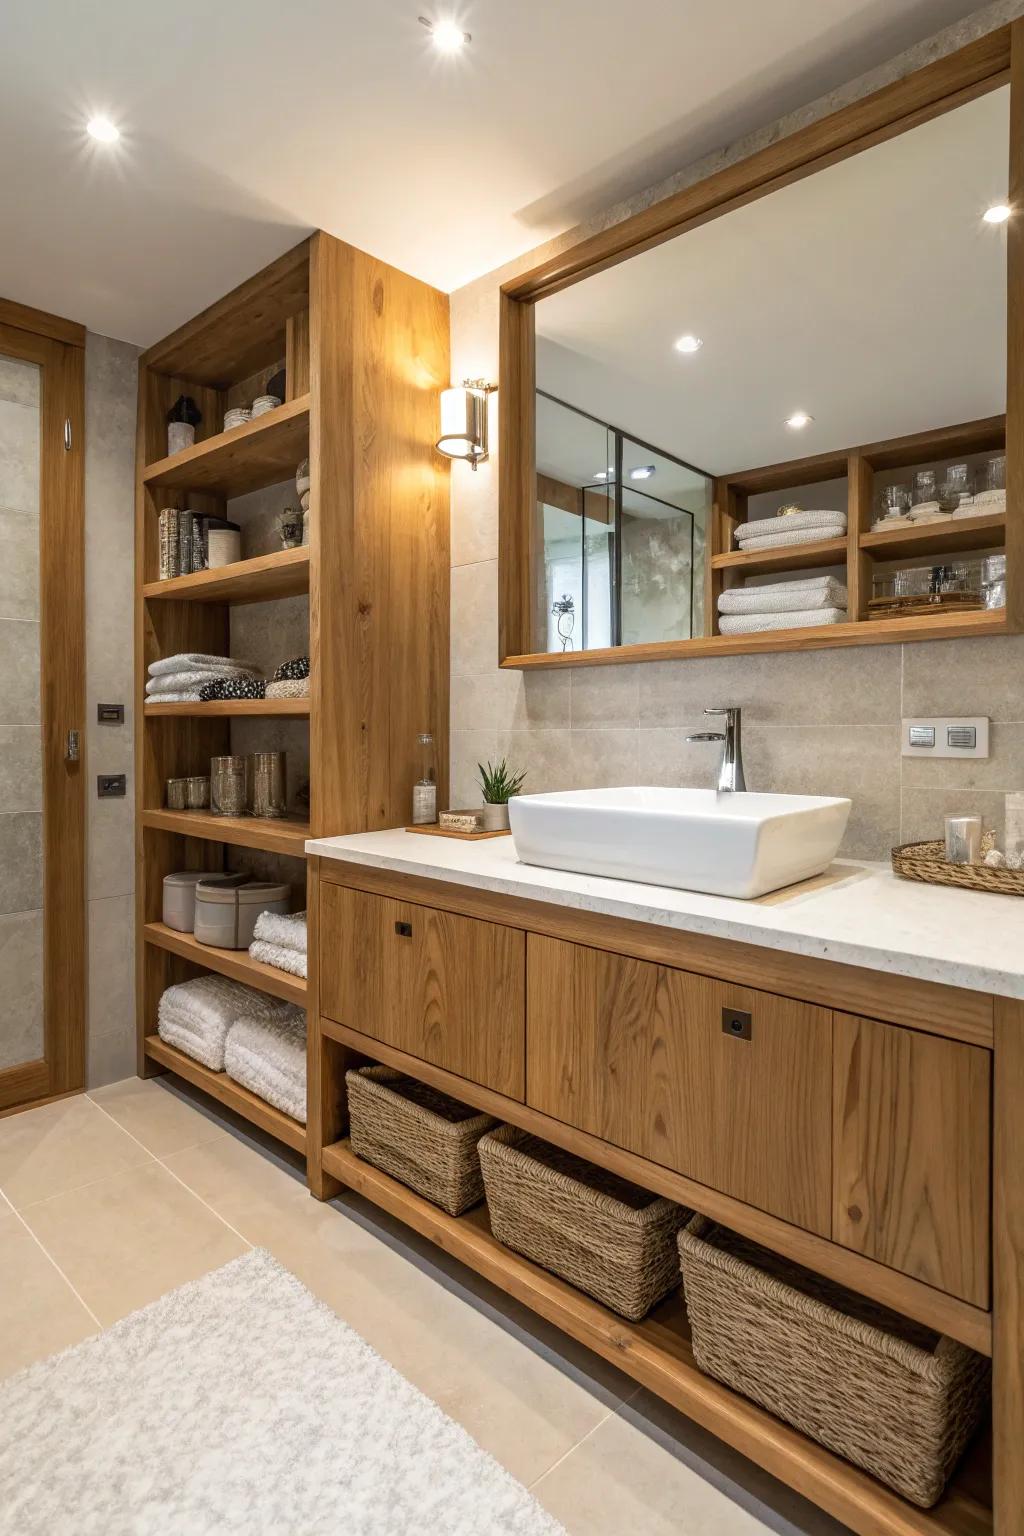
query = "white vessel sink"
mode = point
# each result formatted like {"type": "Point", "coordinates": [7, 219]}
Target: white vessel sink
{"type": "Point", "coordinates": [695, 839]}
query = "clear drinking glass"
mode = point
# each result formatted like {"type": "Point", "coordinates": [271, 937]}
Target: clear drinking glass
{"type": "Point", "coordinates": [227, 786]}
{"type": "Point", "coordinates": [269, 796]}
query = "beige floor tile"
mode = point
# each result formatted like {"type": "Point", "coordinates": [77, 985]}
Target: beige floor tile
{"type": "Point", "coordinates": [156, 1116]}
{"type": "Point", "coordinates": [519, 1404]}
{"type": "Point", "coordinates": [128, 1239]}
{"type": "Point", "coordinates": [39, 1312]}
{"type": "Point", "coordinates": [60, 1147]}
{"type": "Point", "coordinates": [655, 1472]}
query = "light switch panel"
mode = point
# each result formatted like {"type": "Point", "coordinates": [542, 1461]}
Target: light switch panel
{"type": "Point", "coordinates": [946, 736]}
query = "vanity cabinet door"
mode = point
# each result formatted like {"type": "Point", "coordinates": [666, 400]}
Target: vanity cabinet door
{"type": "Point", "coordinates": [637, 1054]}
{"type": "Point", "coordinates": [911, 1153]}
{"type": "Point", "coordinates": [448, 989]}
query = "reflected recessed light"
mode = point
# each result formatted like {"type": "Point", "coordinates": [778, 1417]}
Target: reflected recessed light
{"type": "Point", "coordinates": [798, 420]}
{"type": "Point", "coordinates": [103, 129]}
{"type": "Point", "coordinates": [447, 36]}
{"type": "Point", "coordinates": [642, 472]}
{"type": "Point", "coordinates": [689, 344]}
{"type": "Point", "coordinates": [997, 214]}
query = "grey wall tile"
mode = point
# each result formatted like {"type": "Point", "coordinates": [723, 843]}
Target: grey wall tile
{"type": "Point", "coordinates": [19, 381]}
{"type": "Point", "coordinates": [606, 696]}
{"type": "Point", "coordinates": [474, 618]}
{"type": "Point", "coordinates": [666, 757]}
{"type": "Point", "coordinates": [21, 986]}
{"type": "Point", "coordinates": [111, 842]}
{"type": "Point", "coordinates": [19, 672]}
{"type": "Point", "coordinates": [563, 759]}
{"type": "Point", "coordinates": [111, 1053]}
{"type": "Point", "coordinates": [19, 456]}
{"type": "Point", "coordinates": [267, 634]}
{"type": "Point", "coordinates": [510, 700]}
{"type": "Point", "coordinates": [468, 748]}
{"type": "Point", "coordinates": [983, 676]}
{"type": "Point", "coordinates": [19, 568]}
{"type": "Point", "coordinates": [21, 861]}
{"type": "Point", "coordinates": [21, 768]}
{"type": "Point", "coordinates": [923, 810]}
{"type": "Point", "coordinates": [859, 762]}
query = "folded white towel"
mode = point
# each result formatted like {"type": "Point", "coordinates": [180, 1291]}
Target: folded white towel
{"type": "Point", "coordinates": [776, 599]}
{"type": "Point", "coordinates": [196, 661]}
{"type": "Point", "coordinates": [805, 618]}
{"type": "Point", "coordinates": [195, 1015]}
{"type": "Point", "coordinates": [799, 536]}
{"type": "Point", "coordinates": [291, 960]}
{"type": "Point", "coordinates": [983, 505]}
{"type": "Point", "coordinates": [989, 498]}
{"type": "Point", "coordinates": [187, 696]}
{"type": "Point", "coordinates": [268, 1056]}
{"type": "Point", "coordinates": [182, 682]}
{"type": "Point", "coordinates": [288, 929]}
{"type": "Point", "coordinates": [793, 521]}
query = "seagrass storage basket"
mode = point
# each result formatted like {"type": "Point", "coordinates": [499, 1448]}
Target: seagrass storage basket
{"type": "Point", "coordinates": [418, 1135]}
{"type": "Point", "coordinates": [603, 1235]}
{"type": "Point", "coordinates": [888, 1394]}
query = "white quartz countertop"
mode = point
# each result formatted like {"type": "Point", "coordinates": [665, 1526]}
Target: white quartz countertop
{"type": "Point", "coordinates": [857, 913]}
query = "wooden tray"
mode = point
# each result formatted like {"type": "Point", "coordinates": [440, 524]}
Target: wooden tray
{"type": "Point", "coordinates": [470, 837]}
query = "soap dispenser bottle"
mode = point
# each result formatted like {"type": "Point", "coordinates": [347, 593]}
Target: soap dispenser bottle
{"type": "Point", "coordinates": [424, 791]}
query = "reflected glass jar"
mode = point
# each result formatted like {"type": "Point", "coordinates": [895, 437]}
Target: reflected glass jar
{"type": "Point", "coordinates": [227, 786]}
{"type": "Point", "coordinates": [267, 776]}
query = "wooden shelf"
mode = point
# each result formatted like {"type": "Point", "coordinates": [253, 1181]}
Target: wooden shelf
{"type": "Point", "coordinates": [296, 708]}
{"type": "Point", "coordinates": [287, 837]}
{"type": "Point", "coordinates": [959, 534]}
{"type": "Point", "coordinates": [793, 557]}
{"type": "Point", "coordinates": [260, 580]}
{"type": "Point", "coordinates": [222, 1088]}
{"type": "Point", "coordinates": [261, 452]}
{"type": "Point", "coordinates": [235, 963]}
{"type": "Point", "coordinates": [657, 1353]}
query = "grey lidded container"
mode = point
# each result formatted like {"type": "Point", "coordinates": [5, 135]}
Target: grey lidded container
{"type": "Point", "coordinates": [226, 915]}
{"type": "Point", "coordinates": [179, 896]}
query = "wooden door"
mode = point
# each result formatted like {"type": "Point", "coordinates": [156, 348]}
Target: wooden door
{"type": "Point", "coordinates": [42, 850]}
{"type": "Point", "coordinates": [911, 1127]}
{"type": "Point", "coordinates": [447, 989]}
{"type": "Point", "coordinates": [640, 1055]}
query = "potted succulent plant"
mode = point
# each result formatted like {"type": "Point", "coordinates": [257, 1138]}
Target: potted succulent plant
{"type": "Point", "coordinates": [499, 784]}
{"type": "Point", "coordinates": [182, 419]}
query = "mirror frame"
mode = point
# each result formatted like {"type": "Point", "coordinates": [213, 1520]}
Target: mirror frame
{"type": "Point", "coordinates": [981, 66]}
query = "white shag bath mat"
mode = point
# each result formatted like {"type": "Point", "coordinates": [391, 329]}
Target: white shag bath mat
{"type": "Point", "coordinates": [240, 1403]}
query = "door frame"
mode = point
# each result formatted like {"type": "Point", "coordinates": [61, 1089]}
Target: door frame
{"type": "Point", "coordinates": [57, 346]}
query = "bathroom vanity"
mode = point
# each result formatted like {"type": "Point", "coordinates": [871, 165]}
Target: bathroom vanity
{"type": "Point", "coordinates": [834, 1071]}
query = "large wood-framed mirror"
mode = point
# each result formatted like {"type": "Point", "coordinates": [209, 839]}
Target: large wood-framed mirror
{"type": "Point", "coordinates": [864, 273]}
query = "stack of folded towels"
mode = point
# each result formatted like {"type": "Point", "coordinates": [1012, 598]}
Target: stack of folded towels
{"type": "Point", "coordinates": [981, 504]}
{"type": "Point", "coordinates": [279, 940]}
{"type": "Point", "coordinates": [782, 605]}
{"type": "Point", "coordinates": [191, 677]}
{"type": "Point", "coordinates": [793, 528]}
{"type": "Point", "coordinates": [258, 1040]}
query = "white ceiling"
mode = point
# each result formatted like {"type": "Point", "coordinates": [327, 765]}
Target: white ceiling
{"type": "Point", "coordinates": [246, 123]}
{"type": "Point", "coordinates": [871, 295]}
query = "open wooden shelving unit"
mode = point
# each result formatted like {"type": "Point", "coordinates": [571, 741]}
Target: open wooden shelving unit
{"type": "Point", "coordinates": [657, 1353]}
{"type": "Point", "coordinates": [365, 349]}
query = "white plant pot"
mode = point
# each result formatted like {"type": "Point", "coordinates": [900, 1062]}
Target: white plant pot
{"type": "Point", "coordinates": [496, 817]}
{"type": "Point", "coordinates": [180, 435]}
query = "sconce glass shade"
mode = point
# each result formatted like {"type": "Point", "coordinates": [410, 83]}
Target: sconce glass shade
{"type": "Point", "coordinates": [463, 424]}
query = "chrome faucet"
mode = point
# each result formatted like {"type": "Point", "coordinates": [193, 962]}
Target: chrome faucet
{"type": "Point", "coordinates": [730, 774]}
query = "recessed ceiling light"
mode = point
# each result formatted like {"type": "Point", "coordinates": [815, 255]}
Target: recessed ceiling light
{"type": "Point", "coordinates": [642, 472]}
{"type": "Point", "coordinates": [997, 214]}
{"type": "Point", "coordinates": [798, 420]}
{"type": "Point", "coordinates": [689, 344]}
{"type": "Point", "coordinates": [103, 129]}
{"type": "Point", "coordinates": [448, 37]}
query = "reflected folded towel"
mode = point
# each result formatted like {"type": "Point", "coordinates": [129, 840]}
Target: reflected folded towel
{"type": "Point", "coordinates": [268, 1056]}
{"type": "Point", "coordinates": [195, 1015]}
{"type": "Point", "coordinates": [804, 618]}
{"type": "Point", "coordinates": [288, 929]}
{"type": "Point", "coordinates": [793, 522]}
{"type": "Point", "coordinates": [800, 536]}
{"type": "Point", "coordinates": [985, 504]}
{"type": "Point", "coordinates": [196, 661]}
{"type": "Point", "coordinates": [785, 597]}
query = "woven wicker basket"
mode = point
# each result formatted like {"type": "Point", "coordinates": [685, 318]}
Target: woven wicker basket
{"type": "Point", "coordinates": [927, 862]}
{"type": "Point", "coordinates": [889, 1395]}
{"type": "Point", "coordinates": [418, 1135]}
{"type": "Point", "coordinates": [607, 1237]}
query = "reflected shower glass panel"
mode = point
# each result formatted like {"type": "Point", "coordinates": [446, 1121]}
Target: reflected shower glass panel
{"type": "Point", "coordinates": [665, 510]}
{"type": "Point", "coordinates": [576, 515]}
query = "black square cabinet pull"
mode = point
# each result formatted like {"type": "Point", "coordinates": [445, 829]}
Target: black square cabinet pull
{"type": "Point", "coordinates": [404, 930]}
{"type": "Point", "coordinates": [737, 1023]}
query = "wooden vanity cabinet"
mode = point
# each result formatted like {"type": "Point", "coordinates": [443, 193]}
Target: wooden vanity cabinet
{"type": "Point", "coordinates": [727, 1085]}
{"type": "Point", "coordinates": [449, 990]}
{"type": "Point", "coordinates": [911, 1153]}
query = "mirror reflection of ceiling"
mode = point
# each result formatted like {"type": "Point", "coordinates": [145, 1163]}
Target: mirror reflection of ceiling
{"type": "Point", "coordinates": [871, 295]}
{"type": "Point", "coordinates": [578, 451]}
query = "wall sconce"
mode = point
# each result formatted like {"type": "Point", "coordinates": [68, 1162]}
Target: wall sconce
{"type": "Point", "coordinates": [464, 420]}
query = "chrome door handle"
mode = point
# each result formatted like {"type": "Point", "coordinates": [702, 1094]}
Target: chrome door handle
{"type": "Point", "coordinates": [71, 747]}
